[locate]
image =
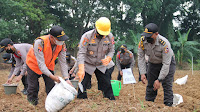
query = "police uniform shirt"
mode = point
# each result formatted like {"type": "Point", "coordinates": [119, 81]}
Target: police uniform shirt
{"type": "Point", "coordinates": [41, 62]}
{"type": "Point", "coordinates": [13, 63]}
{"type": "Point", "coordinates": [159, 52]}
{"type": "Point", "coordinates": [92, 50]}
{"type": "Point", "coordinates": [21, 51]}
{"type": "Point", "coordinates": [125, 59]}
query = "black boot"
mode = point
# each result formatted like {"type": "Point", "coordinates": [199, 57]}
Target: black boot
{"type": "Point", "coordinates": [33, 102]}
{"type": "Point", "coordinates": [168, 104]}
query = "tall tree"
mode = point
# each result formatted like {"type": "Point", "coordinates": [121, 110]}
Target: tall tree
{"type": "Point", "coordinates": [75, 16]}
{"type": "Point", "coordinates": [190, 18]}
{"type": "Point", "coordinates": [10, 27]}
{"type": "Point", "coordinates": [29, 17]}
{"type": "Point", "coordinates": [36, 17]}
{"type": "Point", "coordinates": [161, 13]}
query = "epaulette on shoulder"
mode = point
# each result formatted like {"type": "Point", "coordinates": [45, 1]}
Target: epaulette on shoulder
{"type": "Point", "coordinates": [142, 38]}
{"type": "Point", "coordinates": [130, 53]}
{"type": "Point", "coordinates": [141, 43]}
{"type": "Point", "coordinates": [162, 42]}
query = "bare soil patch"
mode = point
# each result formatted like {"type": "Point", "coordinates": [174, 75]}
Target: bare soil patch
{"type": "Point", "coordinates": [96, 103]}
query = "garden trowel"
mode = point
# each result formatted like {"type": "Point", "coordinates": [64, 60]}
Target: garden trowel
{"type": "Point", "coordinates": [80, 86]}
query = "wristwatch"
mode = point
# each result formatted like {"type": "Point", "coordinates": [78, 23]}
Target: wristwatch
{"type": "Point", "coordinates": [159, 80]}
{"type": "Point", "coordinates": [66, 79]}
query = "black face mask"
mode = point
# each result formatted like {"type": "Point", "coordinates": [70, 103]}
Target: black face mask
{"type": "Point", "coordinates": [9, 51]}
{"type": "Point", "coordinates": [149, 40]}
{"type": "Point", "coordinates": [99, 35]}
{"type": "Point", "coordinates": [122, 51]}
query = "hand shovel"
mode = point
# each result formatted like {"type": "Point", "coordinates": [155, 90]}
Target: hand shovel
{"type": "Point", "coordinates": [80, 86]}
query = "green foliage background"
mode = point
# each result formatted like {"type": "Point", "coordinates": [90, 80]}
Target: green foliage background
{"type": "Point", "coordinates": [25, 20]}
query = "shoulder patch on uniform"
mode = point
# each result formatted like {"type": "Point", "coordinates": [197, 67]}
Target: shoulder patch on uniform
{"type": "Point", "coordinates": [39, 48]}
{"type": "Point", "coordinates": [162, 42]}
{"type": "Point", "coordinates": [113, 40]}
{"type": "Point", "coordinates": [166, 49]}
{"type": "Point", "coordinates": [85, 41]}
{"type": "Point", "coordinates": [19, 53]}
{"type": "Point", "coordinates": [118, 54]}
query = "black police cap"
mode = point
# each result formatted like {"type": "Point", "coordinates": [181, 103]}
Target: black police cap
{"type": "Point", "coordinates": [6, 56]}
{"type": "Point", "coordinates": [59, 33]}
{"type": "Point", "coordinates": [123, 46]}
{"type": "Point", "coordinates": [4, 43]}
{"type": "Point", "coordinates": [150, 29]}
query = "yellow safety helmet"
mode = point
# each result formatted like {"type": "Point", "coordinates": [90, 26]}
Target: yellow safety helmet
{"type": "Point", "coordinates": [103, 26]}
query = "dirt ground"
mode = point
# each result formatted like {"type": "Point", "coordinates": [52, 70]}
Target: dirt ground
{"type": "Point", "coordinates": [125, 102]}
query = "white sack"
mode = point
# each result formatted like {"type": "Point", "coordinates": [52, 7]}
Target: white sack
{"type": "Point", "coordinates": [177, 99]}
{"type": "Point", "coordinates": [60, 95]}
{"type": "Point", "coordinates": [182, 80]}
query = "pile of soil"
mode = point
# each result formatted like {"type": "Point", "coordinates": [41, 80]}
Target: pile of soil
{"type": "Point", "coordinates": [124, 102]}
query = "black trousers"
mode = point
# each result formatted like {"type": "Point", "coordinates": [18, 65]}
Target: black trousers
{"type": "Point", "coordinates": [102, 79]}
{"type": "Point", "coordinates": [123, 67]}
{"type": "Point", "coordinates": [152, 75]}
{"type": "Point", "coordinates": [108, 73]}
{"type": "Point", "coordinates": [33, 84]}
{"type": "Point", "coordinates": [25, 82]}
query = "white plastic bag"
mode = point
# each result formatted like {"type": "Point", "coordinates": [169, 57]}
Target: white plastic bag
{"type": "Point", "coordinates": [177, 99]}
{"type": "Point", "coordinates": [182, 80]}
{"type": "Point", "coordinates": [60, 95]}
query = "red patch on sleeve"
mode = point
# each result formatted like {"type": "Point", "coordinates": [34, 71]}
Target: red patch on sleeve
{"type": "Point", "coordinates": [18, 52]}
{"type": "Point", "coordinates": [118, 55]}
{"type": "Point", "coordinates": [113, 40]}
{"type": "Point", "coordinates": [39, 48]}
